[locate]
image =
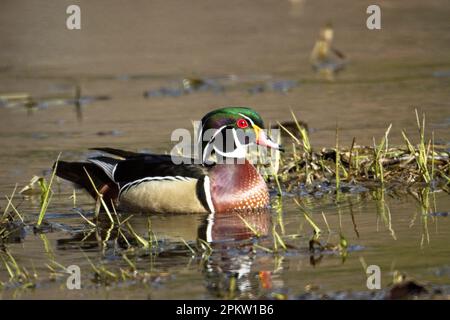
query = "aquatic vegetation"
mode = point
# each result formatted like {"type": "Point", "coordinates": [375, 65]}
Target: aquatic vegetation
{"type": "Point", "coordinates": [186, 86]}
{"type": "Point", "coordinates": [282, 86]}
{"type": "Point", "coordinates": [365, 166]}
{"type": "Point", "coordinates": [218, 85]}
{"type": "Point", "coordinates": [46, 195]}
{"type": "Point", "coordinates": [74, 97]}
{"type": "Point", "coordinates": [131, 256]}
{"type": "Point", "coordinates": [18, 276]}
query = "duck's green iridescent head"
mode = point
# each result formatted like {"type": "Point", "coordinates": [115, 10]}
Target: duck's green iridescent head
{"type": "Point", "coordinates": [230, 117]}
{"type": "Point", "coordinates": [234, 120]}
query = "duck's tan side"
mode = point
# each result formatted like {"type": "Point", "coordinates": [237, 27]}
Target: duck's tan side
{"type": "Point", "coordinates": [163, 196]}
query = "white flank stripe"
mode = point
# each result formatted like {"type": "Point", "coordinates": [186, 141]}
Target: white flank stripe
{"type": "Point", "coordinates": [207, 187]}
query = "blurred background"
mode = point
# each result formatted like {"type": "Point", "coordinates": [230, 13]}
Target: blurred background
{"type": "Point", "coordinates": [254, 53]}
{"type": "Point", "coordinates": [139, 69]}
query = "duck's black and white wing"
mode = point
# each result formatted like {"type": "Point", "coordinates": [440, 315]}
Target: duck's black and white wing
{"type": "Point", "coordinates": [156, 183]}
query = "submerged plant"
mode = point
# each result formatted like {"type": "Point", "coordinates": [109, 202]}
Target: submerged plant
{"type": "Point", "coordinates": [47, 194]}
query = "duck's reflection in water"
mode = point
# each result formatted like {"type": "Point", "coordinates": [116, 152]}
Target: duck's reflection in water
{"type": "Point", "coordinates": [232, 268]}
{"type": "Point", "coordinates": [222, 228]}
{"type": "Point", "coordinates": [229, 261]}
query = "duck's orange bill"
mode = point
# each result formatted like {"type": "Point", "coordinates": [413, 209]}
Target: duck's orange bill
{"type": "Point", "coordinates": [263, 140]}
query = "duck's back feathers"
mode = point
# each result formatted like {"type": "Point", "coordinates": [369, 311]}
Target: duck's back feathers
{"type": "Point", "coordinates": [154, 166]}
{"type": "Point", "coordinates": [107, 164]}
{"type": "Point", "coordinates": [118, 152]}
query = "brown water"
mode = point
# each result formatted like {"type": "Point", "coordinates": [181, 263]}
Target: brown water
{"type": "Point", "coordinates": [123, 51]}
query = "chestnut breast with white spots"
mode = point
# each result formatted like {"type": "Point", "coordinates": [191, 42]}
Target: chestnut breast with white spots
{"type": "Point", "coordinates": [237, 187]}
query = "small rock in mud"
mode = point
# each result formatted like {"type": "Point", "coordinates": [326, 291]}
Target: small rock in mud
{"type": "Point", "coordinates": [439, 214]}
{"type": "Point", "coordinates": [109, 133]}
{"type": "Point", "coordinates": [291, 126]}
{"type": "Point", "coordinates": [441, 74]}
{"type": "Point", "coordinates": [164, 92]}
{"type": "Point", "coordinates": [282, 86]}
{"type": "Point", "coordinates": [187, 86]}
{"type": "Point", "coordinates": [406, 289]}
{"type": "Point", "coordinates": [12, 232]}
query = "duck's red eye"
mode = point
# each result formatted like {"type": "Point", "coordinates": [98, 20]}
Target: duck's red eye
{"type": "Point", "coordinates": [242, 123]}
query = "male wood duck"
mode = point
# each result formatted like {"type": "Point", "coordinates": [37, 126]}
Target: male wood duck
{"type": "Point", "coordinates": [153, 183]}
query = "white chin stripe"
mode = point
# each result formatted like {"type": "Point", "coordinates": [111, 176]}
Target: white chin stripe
{"type": "Point", "coordinates": [239, 152]}
{"type": "Point", "coordinates": [210, 143]}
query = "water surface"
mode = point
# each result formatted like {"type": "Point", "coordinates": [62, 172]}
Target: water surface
{"type": "Point", "coordinates": [123, 52]}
